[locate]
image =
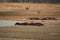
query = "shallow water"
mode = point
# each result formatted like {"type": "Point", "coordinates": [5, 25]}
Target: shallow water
{"type": "Point", "coordinates": [8, 22]}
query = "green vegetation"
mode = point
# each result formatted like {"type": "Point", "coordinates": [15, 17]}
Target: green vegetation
{"type": "Point", "coordinates": [34, 1]}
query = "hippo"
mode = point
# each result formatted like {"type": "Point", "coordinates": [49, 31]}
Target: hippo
{"type": "Point", "coordinates": [34, 18]}
{"type": "Point", "coordinates": [21, 23]}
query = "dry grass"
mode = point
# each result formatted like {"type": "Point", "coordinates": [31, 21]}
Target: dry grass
{"type": "Point", "coordinates": [30, 5]}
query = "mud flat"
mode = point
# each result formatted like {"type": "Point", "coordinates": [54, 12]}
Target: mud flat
{"type": "Point", "coordinates": [17, 11]}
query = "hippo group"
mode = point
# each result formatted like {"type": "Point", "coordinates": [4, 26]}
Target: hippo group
{"type": "Point", "coordinates": [45, 18]}
{"type": "Point", "coordinates": [30, 24]}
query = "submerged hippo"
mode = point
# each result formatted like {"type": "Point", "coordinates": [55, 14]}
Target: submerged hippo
{"type": "Point", "coordinates": [36, 24]}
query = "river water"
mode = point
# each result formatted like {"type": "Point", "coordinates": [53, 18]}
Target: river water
{"type": "Point", "coordinates": [8, 22]}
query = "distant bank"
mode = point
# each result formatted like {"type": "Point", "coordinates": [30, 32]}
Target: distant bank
{"type": "Point", "coordinates": [32, 1]}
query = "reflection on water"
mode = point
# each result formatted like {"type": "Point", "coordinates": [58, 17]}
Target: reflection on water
{"type": "Point", "coordinates": [7, 22]}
